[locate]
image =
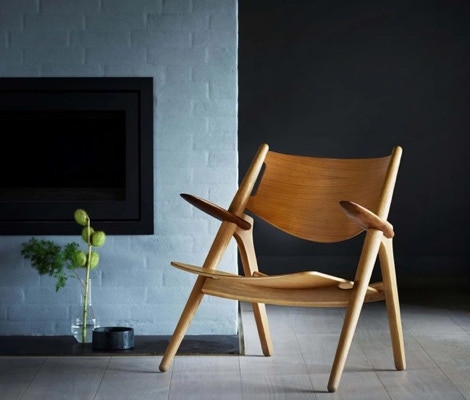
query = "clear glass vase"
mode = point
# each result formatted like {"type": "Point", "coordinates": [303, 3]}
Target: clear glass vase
{"type": "Point", "coordinates": [84, 334]}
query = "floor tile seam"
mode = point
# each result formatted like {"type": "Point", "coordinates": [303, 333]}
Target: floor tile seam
{"type": "Point", "coordinates": [389, 394]}
{"type": "Point", "coordinates": [172, 381]}
{"type": "Point", "coordinates": [461, 330]}
{"type": "Point", "coordinates": [33, 378]}
{"type": "Point", "coordinates": [312, 384]}
{"type": "Point", "coordinates": [458, 336]}
{"type": "Point", "coordinates": [103, 374]}
{"type": "Point", "coordinates": [436, 364]}
{"type": "Point", "coordinates": [310, 375]}
{"type": "Point", "coordinates": [240, 380]}
{"type": "Point", "coordinates": [465, 329]}
{"type": "Point", "coordinates": [449, 378]}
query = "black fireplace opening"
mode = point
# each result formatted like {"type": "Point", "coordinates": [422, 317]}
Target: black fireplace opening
{"type": "Point", "coordinates": [76, 143]}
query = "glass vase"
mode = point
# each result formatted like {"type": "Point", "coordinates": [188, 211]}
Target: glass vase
{"type": "Point", "coordinates": [84, 333]}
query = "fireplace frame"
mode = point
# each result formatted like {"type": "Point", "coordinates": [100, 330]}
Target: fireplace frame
{"type": "Point", "coordinates": [133, 215]}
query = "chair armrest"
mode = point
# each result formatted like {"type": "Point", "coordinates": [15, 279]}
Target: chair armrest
{"type": "Point", "coordinates": [366, 218]}
{"type": "Point", "coordinates": [216, 211]}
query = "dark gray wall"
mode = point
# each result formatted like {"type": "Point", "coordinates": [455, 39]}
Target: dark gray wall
{"type": "Point", "coordinates": [355, 78]}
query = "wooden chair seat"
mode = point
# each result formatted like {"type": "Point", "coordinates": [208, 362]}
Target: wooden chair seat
{"type": "Point", "coordinates": [297, 280]}
{"type": "Point", "coordinates": [281, 289]}
{"type": "Point", "coordinates": [327, 296]}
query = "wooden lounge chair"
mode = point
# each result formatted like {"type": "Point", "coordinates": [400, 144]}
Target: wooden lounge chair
{"type": "Point", "coordinates": [324, 200]}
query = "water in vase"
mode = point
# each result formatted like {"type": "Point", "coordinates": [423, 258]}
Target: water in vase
{"type": "Point", "coordinates": [77, 324]}
{"type": "Point", "coordinates": [77, 330]}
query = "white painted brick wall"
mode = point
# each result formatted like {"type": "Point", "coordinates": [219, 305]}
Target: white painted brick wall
{"type": "Point", "coordinates": [189, 47]}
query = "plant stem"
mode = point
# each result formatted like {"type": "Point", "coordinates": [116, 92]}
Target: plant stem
{"type": "Point", "coordinates": [87, 282]}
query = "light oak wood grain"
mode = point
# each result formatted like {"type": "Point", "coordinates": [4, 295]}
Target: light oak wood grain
{"type": "Point", "coordinates": [323, 200]}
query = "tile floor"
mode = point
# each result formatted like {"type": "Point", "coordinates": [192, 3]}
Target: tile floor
{"type": "Point", "coordinates": [437, 340]}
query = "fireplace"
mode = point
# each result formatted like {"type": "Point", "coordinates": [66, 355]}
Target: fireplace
{"type": "Point", "coordinates": [73, 143]}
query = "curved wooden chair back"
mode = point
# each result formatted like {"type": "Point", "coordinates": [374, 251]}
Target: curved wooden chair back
{"type": "Point", "coordinates": [301, 195]}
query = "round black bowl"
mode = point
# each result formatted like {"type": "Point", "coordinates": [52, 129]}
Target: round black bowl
{"type": "Point", "coordinates": [113, 338]}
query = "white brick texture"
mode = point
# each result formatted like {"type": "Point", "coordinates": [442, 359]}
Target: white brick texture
{"type": "Point", "coordinates": [189, 47]}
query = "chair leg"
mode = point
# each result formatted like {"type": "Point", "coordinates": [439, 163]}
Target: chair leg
{"type": "Point", "coordinates": [344, 344]}
{"type": "Point", "coordinates": [261, 319]}
{"type": "Point", "coordinates": [220, 243]}
{"type": "Point", "coordinates": [247, 253]}
{"type": "Point", "coordinates": [187, 315]}
{"type": "Point", "coordinates": [353, 311]}
{"type": "Point", "coordinates": [387, 265]}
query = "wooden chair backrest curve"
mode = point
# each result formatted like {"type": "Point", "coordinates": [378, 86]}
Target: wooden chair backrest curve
{"type": "Point", "coordinates": [300, 195]}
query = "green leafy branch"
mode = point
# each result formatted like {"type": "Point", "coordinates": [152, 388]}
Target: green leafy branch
{"type": "Point", "coordinates": [49, 258]}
